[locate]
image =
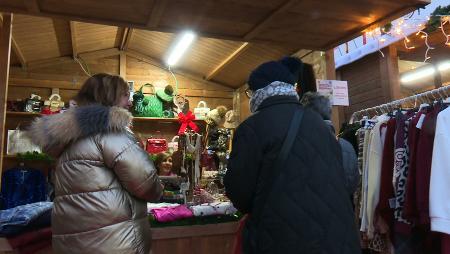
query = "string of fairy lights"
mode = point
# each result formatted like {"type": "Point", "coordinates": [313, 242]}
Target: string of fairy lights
{"type": "Point", "coordinates": [398, 30]}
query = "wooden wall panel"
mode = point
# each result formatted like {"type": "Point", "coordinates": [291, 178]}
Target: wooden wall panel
{"type": "Point", "coordinates": [69, 77]}
{"type": "Point", "coordinates": [92, 37]}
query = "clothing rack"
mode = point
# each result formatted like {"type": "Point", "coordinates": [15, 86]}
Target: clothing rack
{"type": "Point", "coordinates": [428, 96]}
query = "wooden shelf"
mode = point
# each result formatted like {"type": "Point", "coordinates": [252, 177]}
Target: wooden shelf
{"type": "Point", "coordinates": [137, 119]}
{"type": "Point", "coordinates": [11, 113]}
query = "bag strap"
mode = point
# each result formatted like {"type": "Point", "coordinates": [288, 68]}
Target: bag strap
{"type": "Point", "coordinates": [147, 85]}
{"type": "Point", "coordinates": [278, 165]}
{"type": "Point", "coordinates": [202, 103]}
{"type": "Point", "coordinates": [53, 96]}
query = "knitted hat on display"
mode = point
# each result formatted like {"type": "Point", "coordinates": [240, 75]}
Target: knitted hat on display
{"type": "Point", "coordinates": [269, 72]}
{"type": "Point", "coordinates": [165, 94]}
{"type": "Point", "coordinates": [216, 116]}
{"type": "Point", "coordinates": [231, 121]}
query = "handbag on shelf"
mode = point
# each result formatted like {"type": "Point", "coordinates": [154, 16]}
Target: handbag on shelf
{"type": "Point", "coordinates": [147, 105]}
{"type": "Point", "coordinates": [18, 142]}
{"type": "Point", "coordinates": [53, 105]}
{"type": "Point", "coordinates": [201, 110]}
{"type": "Point", "coordinates": [156, 145]}
{"type": "Point", "coordinates": [33, 104]}
{"type": "Point", "coordinates": [173, 145]}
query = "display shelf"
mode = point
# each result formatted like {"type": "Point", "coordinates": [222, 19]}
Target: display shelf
{"type": "Point", "coordinates": [31, 114]}
{"type": "Point", "coordinates": [136, 119]}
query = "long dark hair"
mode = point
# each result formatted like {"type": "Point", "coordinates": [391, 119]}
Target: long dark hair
{"type": "Point", "coordinates": [304, 74]}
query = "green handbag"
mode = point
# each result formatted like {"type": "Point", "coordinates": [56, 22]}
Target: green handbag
{"type": "Point", "coordinates": [147, 106]}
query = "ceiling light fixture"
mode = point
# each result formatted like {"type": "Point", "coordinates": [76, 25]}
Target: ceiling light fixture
{"type": "Point", "coordinates": [418, 74]}
{"type": "Point", "coordinates": [424, 72]}
{"type": "Point", "coordinates": [444, 66]}
{"type": "Point", "coordinates": [186, 39]}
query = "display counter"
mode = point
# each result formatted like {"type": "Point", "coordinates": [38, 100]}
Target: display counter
{"type": "Point", "coordinates": [199, 239]}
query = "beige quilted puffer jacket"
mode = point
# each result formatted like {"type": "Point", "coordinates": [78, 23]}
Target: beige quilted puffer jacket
{"type": "Point", "coordinates": [103, 179]}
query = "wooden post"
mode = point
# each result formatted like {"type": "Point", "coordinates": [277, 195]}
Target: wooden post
{"type": "Point", "coordinates": [5, 50]}
{"type": "Point", "coordinates": [337, 111]}
{"type": "Point", "coordinates": [389, 73]}
{"type": "Point", "coordinates": [123, 65]}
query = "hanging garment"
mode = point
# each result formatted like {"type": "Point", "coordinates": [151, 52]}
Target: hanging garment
{"type": "Point", "coordinates": [384, 211]}
{"type": "Point", "coordinates": [410, 207]}
{"type": "Point", "coordinates": [365, 179]}
{"type": "Point", "coordinates": [401, 168]}
{"type": "Point", "coordinates": [374, 172]}
{"type": "Point", "coordinates": [21, 186]}
{"type": "Point", "coordinates": [440, 176]}
{"type": "Point", "coordinates": [425, 152]}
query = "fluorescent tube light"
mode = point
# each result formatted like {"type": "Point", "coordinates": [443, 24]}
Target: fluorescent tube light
{"type": "Point", "coordinates": [444, 66]}
{"type": "Point", "coordinates": [418, 74]}
{"type": "Point", "coordinates": [180, 47]}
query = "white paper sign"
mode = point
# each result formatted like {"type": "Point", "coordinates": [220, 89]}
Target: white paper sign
{"type": "Point", "coordinates": [335, 90]}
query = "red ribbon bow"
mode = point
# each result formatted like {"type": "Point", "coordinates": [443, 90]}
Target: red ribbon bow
{"type": "Point", "coordinates": [186, 120]}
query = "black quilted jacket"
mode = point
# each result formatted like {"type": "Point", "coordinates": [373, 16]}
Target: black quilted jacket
{"type": "Point", "coordinates": [310, 211]}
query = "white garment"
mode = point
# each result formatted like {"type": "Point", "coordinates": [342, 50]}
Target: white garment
{"type": "Point", "coordinates": [374, 173]}
{"type": "Point", "coordinates": [440, 175]}
{"type": "Point", "coordinates": [363, 210]}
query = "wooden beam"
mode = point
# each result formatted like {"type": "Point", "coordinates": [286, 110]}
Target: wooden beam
{"type": "Point", "coordinates": [18, 52]}
{"type": "Point", "coordinates": [32, 6]}
{"type": "Point", "coordinates": [48, 62]}
{"type": "Point", "coordinates": [73, 36]}
{"type": "Point", "coordinates": [227, 61]}
{"type": "Point", "coordinates": [159, 64]}
{"type": "Point", "coordinates": [156, 14]}
{"type": "Point", "coordinates": [337, 114]}
{"type": "Point", "coordinates": [259, 27]}
{"type": "Point", "coordinates": [123, 65]}
{"type": "Point", "coordinates": [126, 38]}
{"type": "Point", "coordinates": [99, 53]}
{"type": "Point", "coordinates": [389, 73]}
{"type": "Point", "coordinates": [5, 53]}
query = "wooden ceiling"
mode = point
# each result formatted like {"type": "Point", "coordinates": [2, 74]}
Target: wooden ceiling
{"type": "Point", "coordinates": [306, 24]}
{"type": "Point", "coordinates": [235, 36]}
{"type": "Point", "coordinates": [40, 41]}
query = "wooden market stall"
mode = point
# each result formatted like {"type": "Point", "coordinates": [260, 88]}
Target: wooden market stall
{"type": "Point", "coordinates": [49, 46]}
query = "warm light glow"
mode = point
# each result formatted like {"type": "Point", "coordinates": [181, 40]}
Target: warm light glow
{"type": "Point", "coordinates": [444, 66]}
{"type": "Point", "coordinates": [418, 74]}
{"type": "Point", "coordinates": [180, 47]}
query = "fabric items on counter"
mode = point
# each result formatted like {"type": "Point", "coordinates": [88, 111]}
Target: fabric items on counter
{"type": "Point", "coordinates": [218, 208]}
{"type": "Point", "coordinates": [440, 176]}
{"type": "Point", "coordinates": [168, 214]}
{"type": "Point", "coordinates": [31, 242]}
{"type": "Point", "coordinates": [21, 186]}
{"type": "Point", "coordinates": [151, 206]}
{"type": "Point", "coordinates": [25, 218]}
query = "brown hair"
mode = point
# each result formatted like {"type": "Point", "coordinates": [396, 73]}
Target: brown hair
{"type": "Point", "coordinates": [102, 88]}
{"type": "Point", "coordinates": [160, 157]}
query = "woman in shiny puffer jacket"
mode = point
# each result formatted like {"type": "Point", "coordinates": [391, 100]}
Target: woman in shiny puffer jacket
{"type": "Point", "coordinates": [103, 178]}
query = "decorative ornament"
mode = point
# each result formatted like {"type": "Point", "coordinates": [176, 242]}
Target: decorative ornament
{"type": "Point", "coordinates": [187, 120]}
{"type": "Point", "coordinates": [425, 36]}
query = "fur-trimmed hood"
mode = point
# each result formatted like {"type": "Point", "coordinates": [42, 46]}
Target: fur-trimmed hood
{"type": "Point", "coordinates": [54, 132]}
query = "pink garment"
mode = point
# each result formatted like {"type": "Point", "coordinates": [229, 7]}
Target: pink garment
{"type": "Point", "coordinates": [169, 214]}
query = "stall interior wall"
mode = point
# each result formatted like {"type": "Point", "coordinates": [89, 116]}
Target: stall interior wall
{"type": "Point", "coordinates": [68, 77]}
{"type": "Point", "coordinates": [369, 83]}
